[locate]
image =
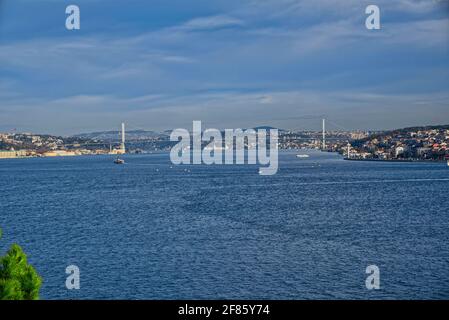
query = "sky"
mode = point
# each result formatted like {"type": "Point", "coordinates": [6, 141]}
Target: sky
{"type": "Point", "coordinates": [160, 64]}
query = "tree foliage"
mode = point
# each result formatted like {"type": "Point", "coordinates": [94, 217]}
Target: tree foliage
{"type": "Point", "coordinates": [18, 279]}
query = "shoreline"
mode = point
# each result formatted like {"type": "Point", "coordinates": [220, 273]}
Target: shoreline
{"type": "Point", "coordinates": [285, 150]}
{"type": "Point", "coordinates": [398, 160]}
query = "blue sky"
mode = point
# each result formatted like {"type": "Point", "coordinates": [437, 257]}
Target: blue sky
{"type": "Point", "coordinates": [159, 65]}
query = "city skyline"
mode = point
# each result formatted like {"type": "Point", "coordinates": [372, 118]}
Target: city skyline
{"type": "Point", "coordinates": [227, 63]}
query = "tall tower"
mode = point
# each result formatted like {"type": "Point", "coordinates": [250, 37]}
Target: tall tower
{"type": "Point", "coordinates": [324, 134]}
{"type": "Point", "coordinates": [122, 146]}
{"type": "Point", "coordinates": [349, 150]}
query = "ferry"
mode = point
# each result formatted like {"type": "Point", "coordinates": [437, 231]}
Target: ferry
{"type": "Point", "coordinates": [302, 156]}
{"type": "Point", "coordinates": [119, 161]}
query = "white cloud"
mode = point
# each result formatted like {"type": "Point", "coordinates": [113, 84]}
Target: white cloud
{"type": "Point", "coordinates": [230, 110]}
{"type": "Point", "coordinates": [257, 47]}
{"type": "Point", "coordinates": [211, 22]}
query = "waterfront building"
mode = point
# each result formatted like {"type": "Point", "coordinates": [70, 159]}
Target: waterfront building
{"type": "Point", "coordinates": [59, 153]}
{"type": "Point", "coordinates": [12, 154]}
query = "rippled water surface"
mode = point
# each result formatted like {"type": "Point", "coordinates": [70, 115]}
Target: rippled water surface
{"type": "Point", "coordinates": [151, 230]}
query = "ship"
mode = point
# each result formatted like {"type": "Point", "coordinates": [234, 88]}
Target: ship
{"type": "Point", "coordinates": [119, 161]}
{"type": "Point", "coordinates": [302, 156]}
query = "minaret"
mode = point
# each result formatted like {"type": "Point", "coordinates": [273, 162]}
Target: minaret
{"type": "Point", "coordinates": [324, 134]}
{"type": "Point", "coordinates": [349, 150]}
{"type": "Point", "coordinates": [122, 147]}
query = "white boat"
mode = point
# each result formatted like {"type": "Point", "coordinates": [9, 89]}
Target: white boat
{"type": "Point", "coordinates": [216, 148]}
{"type": "Point", "coordinates": [448, 163]}
{"type": "Point", "coordinates": [302, 156]}
{"type": "Point", "coordinates": [119, 161]}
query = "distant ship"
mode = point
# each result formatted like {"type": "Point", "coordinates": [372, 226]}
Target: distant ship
{"type": "Point", "coordinates": [119, 161]}
{"type": "Point", "coordinates": [302, 156]}
{"type": "Point", "coordinates": [216, 148]}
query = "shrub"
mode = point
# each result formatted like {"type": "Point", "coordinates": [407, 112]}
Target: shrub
{"type": "Point", "coordinates": [18, 279]}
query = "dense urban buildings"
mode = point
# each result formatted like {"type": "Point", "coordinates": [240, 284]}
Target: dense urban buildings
{"type": "Point", "coordinates": [420, 143]}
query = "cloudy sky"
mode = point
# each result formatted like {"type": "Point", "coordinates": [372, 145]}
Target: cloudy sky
{"type": "Point", "coordinates": [160, 64]}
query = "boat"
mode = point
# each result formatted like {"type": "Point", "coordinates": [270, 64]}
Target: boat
{"type": "Point", "coordinates": [302, 156]}
{"type": "Point", "coordinates": [119, 161]}
{"type": "Point", "coordinates": [448, 163]}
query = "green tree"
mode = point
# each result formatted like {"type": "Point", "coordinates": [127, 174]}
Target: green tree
{"type": "Point", "coordinates": [18, 279]}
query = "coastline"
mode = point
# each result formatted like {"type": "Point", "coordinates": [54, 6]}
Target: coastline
{"type": "Point", "coordinates": [397, 160]}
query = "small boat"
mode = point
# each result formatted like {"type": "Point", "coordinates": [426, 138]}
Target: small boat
{"type": "Point", "coordinates": [302, 156]}
{"type": "Point", "coordinates": [119, 161]}
{"type": "Point", "coordinates": [448, 163]}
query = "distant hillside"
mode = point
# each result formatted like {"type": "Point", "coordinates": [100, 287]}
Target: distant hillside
{"type": "Point", "coordinates": [428, 143]}
{"type": "Point", "coordinates": [137, 135]}
{"type": "Point", "coordinates": [422, 128]}
{"type": "Point", "coordinates": [267, 128]}
{"type": "Point", "coordinates": [404, 131]}
{"type": "Point", "coordinates": [133, 135]}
